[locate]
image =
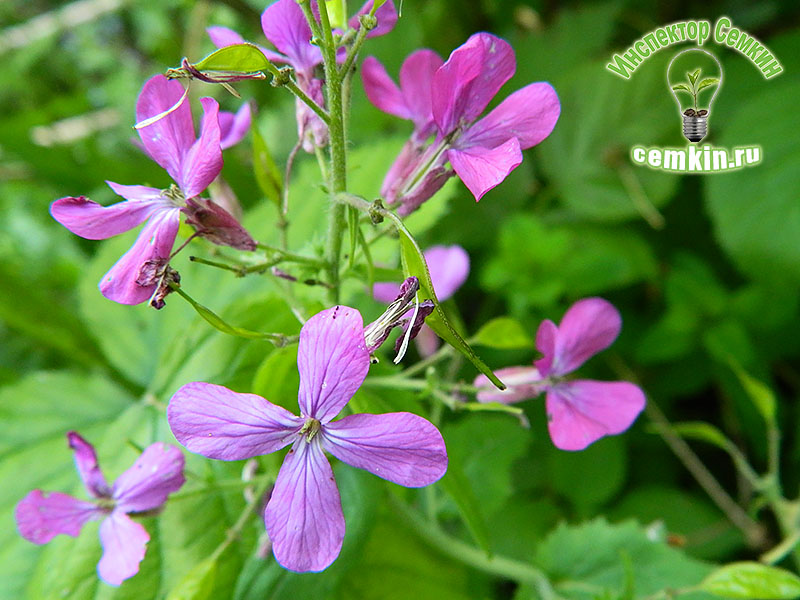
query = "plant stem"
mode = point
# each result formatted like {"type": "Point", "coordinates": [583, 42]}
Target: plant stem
{"type": "Point", "coordinates": [234, 531]}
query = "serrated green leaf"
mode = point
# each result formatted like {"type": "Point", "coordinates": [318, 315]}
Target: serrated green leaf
{"type": "Point", "coordinates": [759, 393]}
{"type": "Point", "coordinates": [266, 171]}
{"type": "Point", "coordinates": [197, 584]}
{"type": "Point", "coordinates": [243, 58]}
{"type": "Point", "coordinates": [682, 87]}
{"type": "Point", "coordinates": [503, 333]}
{"type": "Point", "coordinates": [707, 83]}
{"type": "Point", "coordinates": [414, 265]}
{"type": "Point", "coordinates": [752, 580]}
{"type": "Point", "coordinates": [699, 430]}
{"type": "Point", "coordinates": [456, 484]}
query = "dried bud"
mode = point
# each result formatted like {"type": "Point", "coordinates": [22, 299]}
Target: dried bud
{"type": "Point", "coordinates": [217, 225]}
{"type": "Point", "coordinates": [170, 276]}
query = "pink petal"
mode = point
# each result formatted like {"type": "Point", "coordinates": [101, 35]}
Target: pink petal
{"type": "Point", "coordinates": [203, 161]}
{"type": "Point", "coordinates": [139, 193]}
{"type": "Point", "coordinates": [582, 411]}
{"type": "Point", "coordinates": [285, 26]}
{"type": "Point", "coordinates": [400, 447]}
{"type": "Point", "coordinates": [410, 158]}
{"type": "Point", "coordinates": [386, 16]}
{"type": "Point", "coordinates": [168, 139]}
{"type": "Point", "coordinates": [154, 243]}
{"type": "Point", "coordinates": [481, 169]}
{"type": "Point", "coordinates": [86, 462]}
{"type": "Point", "coordinates": [546, 344]}
{"type": "Point", "coordinates": [93, 221]}
{"type": "Point", "coordinates": [385, 291]}
{"type": "Point", "coordinates": [427, 342]}
{"type": "Point", "coordinates": [416, 81]}
{"type": "Point", "coordinates": [233, 127]}
{"type": "Point", "coordinates": [333, 361]}
{"type": "Point", "coordinates": [218, 423]}
{"type": "Point", "coordinates": [146, 484]}
{"type": "Point", "coordinates": [522, 383]}
{"type": "Point", "coordinates": [449, 267]}
{"type": "Point", "coordinates": [381, 90]}
{"type": "Point", "coordinates": [466, 83]}
{"type": "Point", "coordinates": [40, 518]}
{"type": "Point", "coordinates": [304, 516]}
{"type": "Point", "coordinates": [124, 544]}
{"type": "Point", "coordinates": [589, 326]}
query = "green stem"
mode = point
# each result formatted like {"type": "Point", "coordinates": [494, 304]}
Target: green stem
{"type": "Point", "coordinates": [252, 507]}
{"type": "Point", "coordinates": [281, 78]}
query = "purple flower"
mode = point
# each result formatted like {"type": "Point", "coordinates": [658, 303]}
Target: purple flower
{"type": "Point", "coordinates": [304, 517]}
{"type": "Point", "coordinates": [482, 152]}
{"type": "Point", "coordinates": [233, 126]}
{"type": "Point", "coordinates": [143, 487]}
{"type": "Point", "coordinates": [579, 411]}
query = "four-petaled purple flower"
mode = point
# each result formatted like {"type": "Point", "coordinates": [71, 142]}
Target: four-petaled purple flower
{"type": "Point", "coordinates": [482, 152]}
{"type": "Point", "coordinates": [143, 487]}
{"type": "Point", "coordinates": [192, 163]}
{"type": "Point", "coordinates": [580, 411]}
{"type": "Point", "coordinates": [304, 517]}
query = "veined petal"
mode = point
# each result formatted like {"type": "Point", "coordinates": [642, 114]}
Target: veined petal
{"type": "Point", "coordinates": [138, 193]}
{"type": "Point", "coordinates": [589, 326]}
{"type": "Point", "coordinates": [154, 243]}
{"type": "Point", "coordinates": [304, 516]}
{"type": "Point", "coordinates": [168, 139]}
{"type": "Point", "coordinates": [93, 221]}
{"type": "Point", "coordinates": [146, 484]}
{"type": "Point", "coordinates": [86, 462]}
{"type": "Point", "coordinates": [528, 114]}
{"type": "Point", "coordinates": [449, 267]}
{"type": "Point", "coordinates": [481, 169]}
{"type": "Point", "coordinates": [466, 83]}
{"type": "Point", "coordinates": [233, 127]}
{"type": "Point", "coordinates": [333, 361]}
{"type": "Point", "coordinates": [203, 162]}
{"type": "Point", "coordinates": [386, 16]}
{"type": "Point", "coordinates": [285, 25]}
{"type": "Point", "coordinates": [416, 82]}
{"type": "Point", "coordinates": [381, 90]}
{"type": "Point", "coordinates": [522, 383]}
{"type": "Point", "coordinates": [582, 411]}
{"type": "Point", "coordinates": [42, 517]}
{"type": "Point", "coordinates": [218, 423]}
{"type": "Point", "coordinates": [400, 447]}
{"type": "Point", "coordinates": [124, 544]}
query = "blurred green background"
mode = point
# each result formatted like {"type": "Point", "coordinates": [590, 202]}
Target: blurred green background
{"type": "Point", "coordinates": [705, 270]}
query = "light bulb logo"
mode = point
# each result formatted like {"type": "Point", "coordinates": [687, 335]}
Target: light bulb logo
{"type": "Point", "coordinates": [691, 72]}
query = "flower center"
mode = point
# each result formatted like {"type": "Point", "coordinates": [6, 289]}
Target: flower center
{"type": "Point", "coordinates": [310, 428]}
{"type": "Point", "coordinates": [174, 196]}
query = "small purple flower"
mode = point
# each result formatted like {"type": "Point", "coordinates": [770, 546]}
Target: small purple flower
{"type": "Point", "coordinates": [233, 126]}
{"type": "Point", "coordinates": [482, 152]}
{"type": "Point", "coordinates": [304, 517]}
{"type": "Point", "coordinates": [143, 487]}
{"type": "Point", "coordinates": [579, 411]}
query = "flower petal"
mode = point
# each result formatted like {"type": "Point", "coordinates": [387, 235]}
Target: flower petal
{"type": "Point", "coordinates": [582, 411]}
{"type": "Point", "coordinates": [522, 383]}
{"type": "Point", "coordinates": [449, 267]}
{"type": "Point", "coordinates": [381, 90]}
{"type": "Point", "coordinates": [218, 423]}
{"type": "Point", "coordinates": [304, 516]}
{"type": "Point", "coordinates": [285, 25]}
{"type": "Point", "coordinates": [386, 16]}
{"type": "Point", "coordinates": [528, 114]}
{"type": "Point", "coordinates": [86, 462]}
{"type": "Point", "coordinates": [481, 169]}
{"type": "Point", "coordinates": [385, 291]}
{"type": "Point", "coordinates": [400, 447]}
{"type": "Point", "coordinates": [168, 139]}
{"type": "Point", "coordinates": [146, 484]}
{"type": "Point", "coordinates": [589, 326]}
{"type": "Point", "coordinates": [124, 544]}
{"type": "Point", "coordinates": [40, 518]}
{"type": "Point", "coordinates": [546, 344]}
{"type": "Point", "coordinates": [203, 161]}
{"type": "Point", "coordinates": [416, 82]}
{"type": "Point", "coordinates": [153, 244]}
{"type": "Point", "coordinates": [333, 361]}
{"type": "Point", "coordinates": [93, 221]}
{"type": "Point", "coordinates": [233, 127]}
{"type": "Point", "coordinates": [466, 83]}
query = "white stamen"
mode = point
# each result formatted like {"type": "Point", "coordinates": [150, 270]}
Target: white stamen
{"type": "Point", "coordinates": [161, 115]}
{"type": "Point", "coordinates": [407, 336]}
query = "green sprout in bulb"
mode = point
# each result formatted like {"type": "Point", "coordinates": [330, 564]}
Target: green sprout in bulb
{"type": "Point", "coordinates": [694, 88]}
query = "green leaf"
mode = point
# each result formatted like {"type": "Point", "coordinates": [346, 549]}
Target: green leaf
{"type": "Point", "coordinates": [752, 580]}
{"type": "Point", "coordinates": [414, 265]}
{"type": "Point", "coordinates": [243, 58]}
{"type": "Point", "coordinates": [682, 87]}
{"type": "Point", "coordinates": [707, 83]}
{"type": "Point", "coordinates": [337, 13]}
{"type": "Point", "coordinates": [759, 393]}
{"type": "Point", "coordinates": [705, 432]}
{"type": "Point", "coordinates": [459, 489]}
{"type": "Point", "coordinates": [503, 333]}
{"type": "Point", "coordinates": [693, 76]}
{"type": "Point", "coordinates": [266, 171]}
{"type": "Point", "coordinates": [197, 584]}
